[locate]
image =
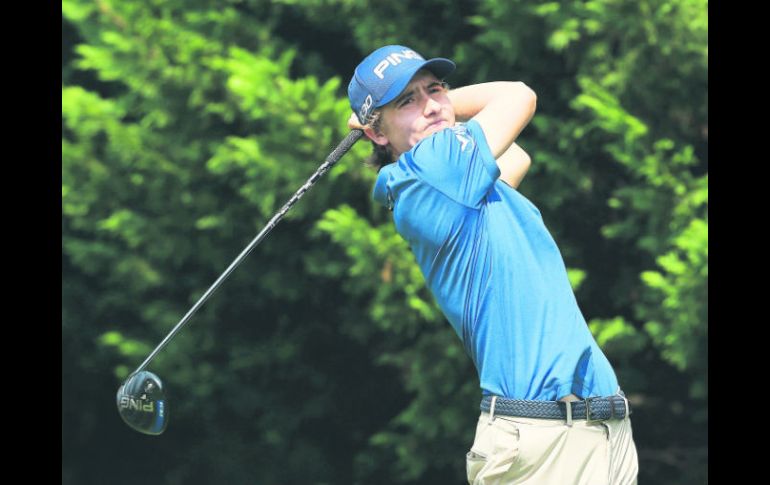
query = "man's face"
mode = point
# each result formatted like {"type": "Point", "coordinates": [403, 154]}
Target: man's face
{"type": "Point", "coordinates": [421, 109]}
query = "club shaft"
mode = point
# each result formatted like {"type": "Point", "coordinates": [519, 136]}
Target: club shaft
{"type": "Point", "coordinates": [332, 159]}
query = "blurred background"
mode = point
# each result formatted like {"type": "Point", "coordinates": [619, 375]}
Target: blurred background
{"type": "Point", "coordinates": [323, 359]}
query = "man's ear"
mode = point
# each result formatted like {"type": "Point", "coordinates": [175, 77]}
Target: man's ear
{"type": "Point", "coordinates": [378, 138]}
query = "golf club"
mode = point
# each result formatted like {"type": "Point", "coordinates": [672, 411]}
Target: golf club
{"type": "Point", "coordinates": [142, 398]}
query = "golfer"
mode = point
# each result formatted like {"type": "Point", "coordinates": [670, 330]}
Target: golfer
{"type": "Point", "coordinates": [552, 411]}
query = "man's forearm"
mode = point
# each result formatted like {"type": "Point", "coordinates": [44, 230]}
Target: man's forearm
{"type": "Point", "coordinates": [467, 101]}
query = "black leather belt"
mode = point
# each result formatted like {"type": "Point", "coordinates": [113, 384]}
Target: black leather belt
{"type": "Point", "coordinates": [591, 409]}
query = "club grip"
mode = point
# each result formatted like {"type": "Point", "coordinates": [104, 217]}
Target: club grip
{"type": "Point", "coordinates": [345, 145]}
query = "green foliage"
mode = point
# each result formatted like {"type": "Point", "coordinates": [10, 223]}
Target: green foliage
{"type": "Point", "coordinates": [186, 125]}
{"type": "Point", "coordinates": [679, 326]}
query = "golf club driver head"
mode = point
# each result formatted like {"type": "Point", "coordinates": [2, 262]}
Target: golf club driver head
{"type": "Point", "coordinates": [142, 403]}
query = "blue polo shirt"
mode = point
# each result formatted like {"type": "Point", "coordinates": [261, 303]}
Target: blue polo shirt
{"type": "Point", "coordinates": [493, 268]}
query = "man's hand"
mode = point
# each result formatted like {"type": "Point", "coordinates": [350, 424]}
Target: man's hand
{"type": "Point", "coordinates": [354, 124]}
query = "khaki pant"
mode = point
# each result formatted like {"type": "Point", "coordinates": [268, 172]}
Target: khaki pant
{"type": "Point", "coordinates": [512, 450]}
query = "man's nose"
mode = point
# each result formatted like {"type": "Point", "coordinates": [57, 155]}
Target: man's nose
{"type": "Point", "coordinates": [431, 106]}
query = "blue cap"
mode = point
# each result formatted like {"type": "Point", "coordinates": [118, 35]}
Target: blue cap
{"type": "Point", "coordinates": [381, 77]}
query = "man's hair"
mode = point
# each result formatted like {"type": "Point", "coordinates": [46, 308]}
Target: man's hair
{"type": "Point", "coordinates": [381, 155]}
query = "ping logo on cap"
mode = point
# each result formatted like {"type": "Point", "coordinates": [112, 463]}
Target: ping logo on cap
{"type": "Point", "coordinates": [394, 60]}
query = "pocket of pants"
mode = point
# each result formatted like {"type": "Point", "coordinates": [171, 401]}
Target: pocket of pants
{"type": "Point", "coordinates": [494, 452]}
{"type": "Point", "coordinates": [474, 463]}
{"type": "Point", "coordinates": [473, 456]}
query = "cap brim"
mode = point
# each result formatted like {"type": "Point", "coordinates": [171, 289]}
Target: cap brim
{"type": "Point", "coordinates": [439, 66]}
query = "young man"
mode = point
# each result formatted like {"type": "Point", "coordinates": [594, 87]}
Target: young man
{"type": "Point", "coordinates": [552, 410]}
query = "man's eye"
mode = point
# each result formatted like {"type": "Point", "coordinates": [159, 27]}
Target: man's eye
{"type": "Point", "coordinates": [438, 88]}
{"type": "Point", "coordinates": [406, 101]}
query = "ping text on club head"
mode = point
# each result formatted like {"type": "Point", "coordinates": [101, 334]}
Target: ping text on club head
{"type": "Point", "coordinates": [127, 402]}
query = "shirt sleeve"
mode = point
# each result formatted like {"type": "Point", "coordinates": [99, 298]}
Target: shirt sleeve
{"type": "Point", "coordinates": [457, 162]}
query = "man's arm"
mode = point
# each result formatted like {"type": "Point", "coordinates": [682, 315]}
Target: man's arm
{"type": "Point", "coordinates": [502, 109]}
{"type": "Point", "coordinates": [514, 164]}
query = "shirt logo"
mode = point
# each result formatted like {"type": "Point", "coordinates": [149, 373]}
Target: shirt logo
{"type": "Point", "coordinates": [461, 133]}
